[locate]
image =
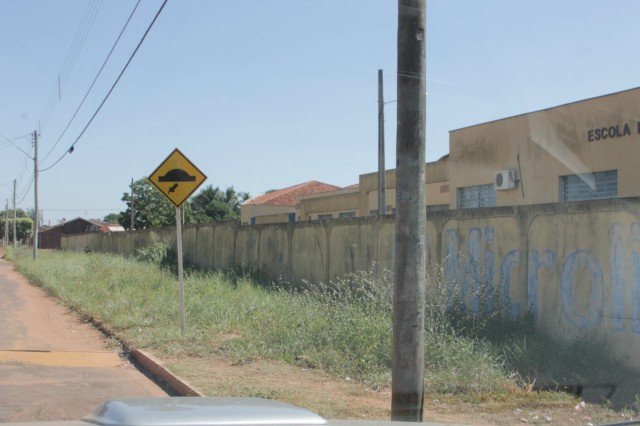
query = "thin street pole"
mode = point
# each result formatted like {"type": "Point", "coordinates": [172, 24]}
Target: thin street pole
{"type": "Point", "coordinates": [35, 182]}
{"type": "Point", "coordinates": [407, 365]}
{"type": "Point", "coordinates": [132, 202]}
{"type": "Point", "coordinates": [14, 214]}
{"type": "Point", "coordinates": [382, 209]}
{"type": "Point", "coordinates": [183, 319]}
{"type": "Point", "coordinates": [5, 241]}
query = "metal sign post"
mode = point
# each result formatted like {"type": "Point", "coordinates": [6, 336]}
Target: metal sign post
{"type": "Point", "coordinates": [177, 178]}
{"type": "Point", "coordinates": [183, 317]}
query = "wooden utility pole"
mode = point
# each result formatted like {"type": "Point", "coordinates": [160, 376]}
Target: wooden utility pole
{"type": "Point", "coordinates": [382, 203]}
{"type": "Point", "coordinates": [407, 387]}
{"type": "Point", "coordinates": [36, 224]}
{"type": "Point", "coordinates": [14, 214]}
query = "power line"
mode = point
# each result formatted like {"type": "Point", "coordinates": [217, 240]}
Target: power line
{"type": "Point", "coordinates": [26, 191]}
{"type": "Point", "coordinates": [94, 82]}
{"type": "Point", "coordinates": [58, 160]}
{"type": "Point", "coordinates": [10, 142]}
{"type": "Point", "coordinates": [72, 147]}
{"type": "Point", "coordinates": [70, 60]}
{"type": "Point", "coordinates": [81, 37]}
{"type": "Point", "coordinates": [79, 208]}
{"type": "Point", "coordinates": [16, 138]}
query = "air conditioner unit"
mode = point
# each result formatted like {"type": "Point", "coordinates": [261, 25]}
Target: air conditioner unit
{"type": "Point", "coordinates": [505, 179]}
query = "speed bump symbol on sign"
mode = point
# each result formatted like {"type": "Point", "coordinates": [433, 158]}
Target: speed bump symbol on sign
{"type": "Point", "coordinates": [177, 178]}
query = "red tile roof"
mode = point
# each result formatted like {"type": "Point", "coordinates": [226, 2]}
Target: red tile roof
{"type": "Point", "coordinates": [287, 196]}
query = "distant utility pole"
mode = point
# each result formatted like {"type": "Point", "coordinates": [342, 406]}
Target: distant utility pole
{"type": "Point", "coordinates": [132, 213]}
{"type": "Point", "coordinates": [407, 365]}
{"type": "Point", "coordinates": [382, 203]}
{"type": "Point", "coordinates": [5, 242]}
{"type": "Point", "coordinates": [36, 224]}
{"type": "Point", "coordinates": [14, 214]}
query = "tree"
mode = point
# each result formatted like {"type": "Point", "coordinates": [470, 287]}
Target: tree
{"type": "Point", "coordinates": [21, 213]}
{"type": "Point", "coordinates": [219, 211]}
{"type": "Point", "coordinates": [24, 227]}
{"type": "Point", "coordinates": [151, 208]}
{"type": "Point", "coordinates": [112, 218]}
{"type": "Point", "coordinates": [214, 205]}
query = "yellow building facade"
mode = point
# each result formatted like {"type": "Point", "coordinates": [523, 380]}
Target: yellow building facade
{"type": "Point", "coordinates": [581, 150]}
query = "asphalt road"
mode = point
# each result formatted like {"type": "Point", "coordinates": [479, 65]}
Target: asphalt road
{"type": "Point", "coordinates": [52, 365]}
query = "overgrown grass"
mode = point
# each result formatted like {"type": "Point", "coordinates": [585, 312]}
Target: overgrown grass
{"type": "Point", "coordinates": [343, 328]}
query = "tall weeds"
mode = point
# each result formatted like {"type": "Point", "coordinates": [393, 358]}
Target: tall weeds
{"type": "Point", "coordinates": [343, 327]}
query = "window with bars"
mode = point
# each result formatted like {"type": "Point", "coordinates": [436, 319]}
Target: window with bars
{"type": "Point", "coordinates": [471, 197]}
{"type": "Point", "coordinates": [589, 186]}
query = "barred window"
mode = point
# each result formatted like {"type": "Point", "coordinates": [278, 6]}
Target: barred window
{"type": "Point", "coordinates": [589, 186]}
{"type": "Point", "coordinates": [477, 196]}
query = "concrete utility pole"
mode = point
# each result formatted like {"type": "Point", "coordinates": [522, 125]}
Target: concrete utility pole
{"type": "Point", "coordinates": [132, 212]}
{"type": "Point", "coordinates": [14, 214]}
{"type": "Point", "coordinates": [5, 241]}
{"type": "Point", "coordinates": [36, 224]}
{"type": "Point", "coordinates": [407, 387]}
{"type": "Point", "coordinates": [382, 203]}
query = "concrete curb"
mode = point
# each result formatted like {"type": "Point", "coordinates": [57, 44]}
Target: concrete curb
{"type": "Point", "coordinates": [149, 362]}
{"type": "Point", "coordinates": [145, 360]}
{"type": "Point", "coordinates": [154, 366]}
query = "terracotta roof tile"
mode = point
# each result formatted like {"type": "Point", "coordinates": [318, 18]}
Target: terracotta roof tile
{"type": "Point", "coordinates": [287, 196]}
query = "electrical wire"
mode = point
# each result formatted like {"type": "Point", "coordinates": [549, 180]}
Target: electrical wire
{"type": "Point", "coordinates": [10, 142]}
{"type": "Point", "coordinates": [26, 191]}
{"type": "Point", "coordinates": [17, 137]}
{"type": "Point", "coordinates": [85, 210]}
{"type": "Point", "coordinates": [70, 60]}
{"type": "Point", "coordinates": [72, 147]}
{"type": "Point", "coordinates": [94, 81]}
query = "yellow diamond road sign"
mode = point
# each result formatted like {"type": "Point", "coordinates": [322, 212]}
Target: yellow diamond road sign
{"type": "Point", "coordinates": [177, 178]}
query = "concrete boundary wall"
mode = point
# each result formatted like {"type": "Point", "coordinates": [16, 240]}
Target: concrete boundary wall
{"type": "Point", "coordinates": [574, 266]}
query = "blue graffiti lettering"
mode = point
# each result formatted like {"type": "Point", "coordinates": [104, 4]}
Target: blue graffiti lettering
{"type": "Point", "coordinates": [511, 260]}
{"type": "Point", "coordinates": [635, 291]}
{"type": "Point", "coordinates": [618, 286]}
{"type": "Point", "coordinates": [534, 264]}
{"type": "Point", "coordinates": [622, 301]}
{"type": "Point", "coordinates": [489, 236]}
{"type": "Point", "coordinates": [452, 263]}
{"type": "Point", "coordinates": [472, 266]}
{"type": "Point", "coordinates": [582, 259]}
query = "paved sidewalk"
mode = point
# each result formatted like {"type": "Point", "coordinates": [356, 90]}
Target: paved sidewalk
{"type": "Point", "coordinates": [53, 366]}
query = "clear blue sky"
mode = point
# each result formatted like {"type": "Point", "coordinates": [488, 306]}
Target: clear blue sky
{"type": "Point", "coordinates": [264, 94]}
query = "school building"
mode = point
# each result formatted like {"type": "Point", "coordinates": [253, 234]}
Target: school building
{"type": "Point", "coordinates": [582, 150]}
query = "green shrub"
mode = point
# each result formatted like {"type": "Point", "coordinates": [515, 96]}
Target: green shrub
{"type": "Point", "coordinates": [159, 254]}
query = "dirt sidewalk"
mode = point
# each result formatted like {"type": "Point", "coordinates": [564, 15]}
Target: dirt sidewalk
{"type": "Point", "coordinates": [53, 366]}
